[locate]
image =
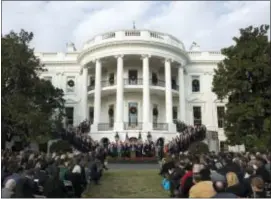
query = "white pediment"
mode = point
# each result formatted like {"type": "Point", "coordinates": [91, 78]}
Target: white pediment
{"type": "Point", "coordinates": [220, 101]}
{"type": "Point", "coordinates": [195, 100]}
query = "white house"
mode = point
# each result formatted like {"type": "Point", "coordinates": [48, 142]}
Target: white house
{"type": "Point", "coordinates": [132, 81]}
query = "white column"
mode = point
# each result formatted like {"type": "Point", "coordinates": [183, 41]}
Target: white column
{"type": "Point", "coordinates": [168, 90]}
{"type": "Point", "coordinates": [85, 94]}
{"type": "Point", "coordinates": [118, 126]}
{"type": "Point", "coordinates": [97, 96]}
{"type": "Point", "coordinates": [181, 94]}
{"type": "Point", "coordinates": [147, 125]}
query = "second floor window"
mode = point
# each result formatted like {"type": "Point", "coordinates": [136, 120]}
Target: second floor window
{"type": "Point", "coordinates": [197, 115]}
{"type": "Point", "coordinates": [69, 115]}
{"type": "Point", "coordinates": [195, 84]}
{"type": "Point", "coordinates": [220, 116]}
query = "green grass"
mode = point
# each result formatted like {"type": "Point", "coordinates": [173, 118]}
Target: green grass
{"type": "Point", "coordinates": [128, 184]}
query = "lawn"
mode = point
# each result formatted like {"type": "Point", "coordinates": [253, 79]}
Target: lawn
{"type": "Point", "coordinates": [128, 184]}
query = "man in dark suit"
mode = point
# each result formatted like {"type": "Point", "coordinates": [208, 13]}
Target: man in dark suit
{"type": "Point", "coordinates": [25, 187]}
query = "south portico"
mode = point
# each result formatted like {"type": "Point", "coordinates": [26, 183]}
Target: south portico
{"type": "Point", "coordinates": [144, 83]}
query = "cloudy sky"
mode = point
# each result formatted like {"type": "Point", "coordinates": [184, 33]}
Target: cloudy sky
{"type": "Point", "coordinates": [210, 24]}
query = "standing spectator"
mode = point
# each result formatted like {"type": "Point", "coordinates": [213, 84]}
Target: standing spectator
{"type": "Point", "coordinates": [203, 187]}
{"type": "Point", "coordinates": [257, 185]}
{"type": "Point", "coordinates": [234, 186]}
{"type": "Point", "coordinates": [26, 188]}
{"type": "Point", "coordinates": [8, 190]}
{"type": "Point", "coordinates": [187, 180]}
{"type": "Point", "coordinates": [54, 187]}
{"type": "Point", "coordinates": [261, 170]}
{"type": "Point", "coordinates": [220, 188]}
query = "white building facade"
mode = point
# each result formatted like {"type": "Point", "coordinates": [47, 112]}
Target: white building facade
{"type": "Point", "coordinates": [133, 81]}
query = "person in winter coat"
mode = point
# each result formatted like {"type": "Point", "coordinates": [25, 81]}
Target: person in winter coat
{"type": "Point", "coordinates": [234, 186]}
{"type": "Point", "coordinates": [261, 171]}
{"type": "Point", "coordinates": [26, 187]}
{"type": "Point", "coordinates": [8, 190]}
{"type": "Point", "coordinates": [54, 187]}
{"type": "Point", "coordinates": [257, 185]}
{"type": "Point", "coordinates": [220, 188]}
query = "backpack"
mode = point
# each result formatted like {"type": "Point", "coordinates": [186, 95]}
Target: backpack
{"type": "Point", "coordinates": [165, 184]}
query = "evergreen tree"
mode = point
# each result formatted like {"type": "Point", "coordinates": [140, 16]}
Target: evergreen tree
{"type": "Point", "coordinates": [30, 106]}
{"type": "Point", "coordinates": [244, 78]}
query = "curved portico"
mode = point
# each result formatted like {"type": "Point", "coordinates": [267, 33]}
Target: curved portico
{"type": "Point", "coordinates": [154, 76]}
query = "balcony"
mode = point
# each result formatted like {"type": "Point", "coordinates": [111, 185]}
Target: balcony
{"type": "Point", "coordinates": [175, 87]}
{"type": "Point", "coordinates": [160, 83]}
{"type": "Point", "coordinates": [133, 126]}
{"type": "Point", "coordinates": [160, 126]}
{"type": "Point", "coordinates": [131, 82]}
{"type": "Point", "coordinates": [107, 83]}
{"type": "Point", "coordinates": [91, 87]}
{"type": "Point", "coordinates": [134, 35]}
{"type": "Point", "coordinates": [105, 126]}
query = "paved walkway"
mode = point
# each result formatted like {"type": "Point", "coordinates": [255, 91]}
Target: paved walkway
{"type": "Point", "coordinates": [115, 166]}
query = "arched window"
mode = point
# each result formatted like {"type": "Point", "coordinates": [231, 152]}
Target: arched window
{"type": "Point", "coordinates": [195, 85]}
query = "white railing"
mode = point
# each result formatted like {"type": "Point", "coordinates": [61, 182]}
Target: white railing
{"type": "Point", "coordinates": [157, 35]}
{"type": "Point", "coordinates": [109, 35]}
{"type": "Point", "coordinates": [132, 33]}
{"type": "Point", "coordinates": [143, 35]}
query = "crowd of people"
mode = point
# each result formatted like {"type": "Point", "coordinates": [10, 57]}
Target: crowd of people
{"type": "Point", "coordinates": [223, 175]}
{"type": "Point", "coordinates": [29, 174]}
{"type": "Point", "coordinates": [187, 135]}
{"type": "Point", "coordinates": [122, 149]}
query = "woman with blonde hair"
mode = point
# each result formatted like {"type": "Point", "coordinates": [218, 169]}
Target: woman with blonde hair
{"type": "Point", "coordinates": [234, 186]}
{"type": "Point", "coordinates": [232, 179]}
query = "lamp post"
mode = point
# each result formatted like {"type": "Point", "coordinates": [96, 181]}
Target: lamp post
{"type": "Point", "coordinates": [117, 137]}
{"type": "Point", "coordinates": [149, 137]}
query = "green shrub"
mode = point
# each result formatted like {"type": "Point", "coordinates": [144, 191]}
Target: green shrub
{"type": "Point", "coordinates": [198, 147]}
{"type": "Point", "coordinates": [61, 146]}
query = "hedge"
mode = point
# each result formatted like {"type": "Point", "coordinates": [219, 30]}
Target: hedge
{"type": "Point", "coordinates": [61, 146]}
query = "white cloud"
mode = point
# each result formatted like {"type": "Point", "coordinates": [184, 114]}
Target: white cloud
{"type": "Point", "coordinates": [211, 24]}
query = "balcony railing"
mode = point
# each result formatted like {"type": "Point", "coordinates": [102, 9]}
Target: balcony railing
{"type": "Point", "coordinates": [107, 83]}
{"type": "Point", "coordinates": [131, 81]}
{"type": "Point", "coordinates": [160, 126]}
{"type": "Point", "coordinates": [105, 126]}
{"type": "Point", "coordinates": [133, 126]}
{"type": "Point", "coordinates": [175, 87]}
{"type": "Point", "coordinates": [91, 87]}
{"type": "Point", "coordinates": [160, 83]}
{"type": "Point", "coordinates": [139, 81]}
